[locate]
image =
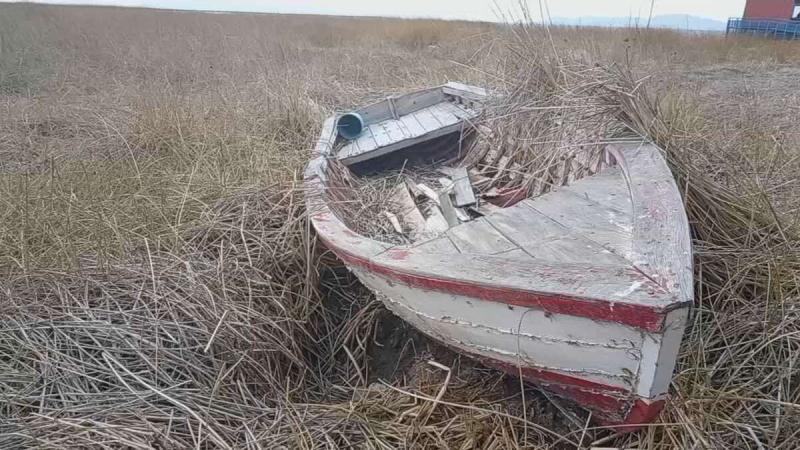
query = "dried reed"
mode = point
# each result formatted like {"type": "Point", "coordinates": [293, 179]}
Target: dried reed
{"type": "Point", "coordinates": [161, 287]}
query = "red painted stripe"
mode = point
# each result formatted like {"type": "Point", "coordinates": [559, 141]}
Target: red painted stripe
{"type": "Point", "coordinates": [611, 406]}
{"type": "Point", "coordinates": [610, 402]}
{"type": "Point", "coordinates": [549, 376]}
{"type": "Point", "coordinates": [639, 316]}
{"type": "Point", "coordinates": [643, 413]}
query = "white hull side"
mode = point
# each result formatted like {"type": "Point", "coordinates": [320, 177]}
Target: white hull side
{"type": "Point", "coordinates": [608, 353]}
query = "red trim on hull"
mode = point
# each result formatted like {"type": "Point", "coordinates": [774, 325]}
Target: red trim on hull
{"type": "Point", "coordinates": [643, 413]}
{"type": "Point", "coordinates": [608, 401]}
{"type": "Point", "coordinates": [611, 406]}
{"type": "Point", "coordinates": [643, 317]}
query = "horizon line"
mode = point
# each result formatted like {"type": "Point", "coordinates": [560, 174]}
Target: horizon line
{"type": "Point", "coordinates": [633, 19]}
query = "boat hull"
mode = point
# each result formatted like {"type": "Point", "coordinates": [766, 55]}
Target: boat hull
{"type": "Point", "coordinates": [619, 372]}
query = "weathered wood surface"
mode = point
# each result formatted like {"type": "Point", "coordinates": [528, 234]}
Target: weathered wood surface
{"type": "Point", "coordinates": [448, 210]}
{"type": "Point", "coordinates": [605, 354]}
{"type": "Point", "coordinates": [462, 188]}
{"type": "Point", "coordinates": [465, 91]}
{"type": "Point", "coordinates": [409, 103]}
{"type": "Point", "coordinates": [661, 245]}
{"type": "Point", "coordinates": [606, 226]}
{"type": "Point", "coordinates": [440, 244]}
{"type": "Point", "coordinates": [389, 134]}
{"type": "Point", "coordinates": [659, 355]}
{"type": "Point", "coordinates": [409, 213]}
{"type": "Point", "coordinates": [436, 223]}
{"type": "Point", "coordinates": [599, 219]}
{"type": "Point", "coordinates": [608, 188]}
{"type": "Point", "coordinates": [541, 237]}
{"type": "Point", "coordinates": [605, 293]}
{"type": "Point", "coordinates": [615, 284]}
{"type": "Point", "coordinates": [429, 192]}
{"type": "Point", "coordinates": [315, 173]}
{"type": "Point", "coordinates": [479, 237]}
{"type": "Point", "coordinates": [405, 104]}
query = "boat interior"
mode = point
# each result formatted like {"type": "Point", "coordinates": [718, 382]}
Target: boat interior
{"type": "Point", "coordinates": [593, 207]}
{"type": "Point", "coordinates": [591, 219]}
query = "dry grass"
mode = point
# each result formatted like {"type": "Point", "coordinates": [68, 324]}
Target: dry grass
{"type": "Point", "coordinates": [363, 202]}
{"type": "Point", "coordinates": [160, 286]}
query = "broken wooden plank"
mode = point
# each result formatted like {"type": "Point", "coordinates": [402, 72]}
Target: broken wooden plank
{"type": "Point", "coordinates": [448, 210]}
{"type": "Point", "coordinates": [490, 161]}
{"type": "Point", "coordinates": [436, 223]}
{"type": "Point", "coordinates": [428, 192]}
{"type": "Point", "coordinates": [462, 188]}
{"type": "Point", "coordinates": [465, 91]}
{"type": "Point", "coordinates": [416, 192]}
{"type": "Point", "coordinates": [410, 215]}
{"type": "Point", "coordinates": [565, 170]}
{"type": "Point", "coordinates": [447, 184]}
{"type": "Point", "coordinates": [394, 221]}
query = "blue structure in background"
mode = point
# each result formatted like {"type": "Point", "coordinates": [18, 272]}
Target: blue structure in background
{"type": "Point", "coordinates": [771, 28]}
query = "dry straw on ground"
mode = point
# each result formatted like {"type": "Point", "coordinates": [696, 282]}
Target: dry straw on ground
{"type": "Point", "coordinates": [161, 288]}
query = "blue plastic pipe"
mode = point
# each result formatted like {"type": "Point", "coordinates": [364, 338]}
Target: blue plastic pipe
{"type": "Point", "coordinates": [350, 125]}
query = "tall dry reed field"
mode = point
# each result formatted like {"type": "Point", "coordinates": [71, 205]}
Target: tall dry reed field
{"type": "Point", "coordinates": [159, 285]}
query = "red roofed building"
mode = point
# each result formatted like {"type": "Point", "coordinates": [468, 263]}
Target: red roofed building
{"type": "Point", "coordinates": [777, 19]}
{"type": "Point", "coordinates": [771, 9]}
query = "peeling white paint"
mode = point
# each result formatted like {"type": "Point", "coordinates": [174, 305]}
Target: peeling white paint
{"type": "Point", "coordinates": [535, 338]}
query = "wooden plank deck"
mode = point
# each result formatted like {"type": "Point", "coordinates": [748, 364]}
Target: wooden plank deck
{"type": "Point", "coordinates": [480, 237]}
{"type": "Point", "coordinates": [607, 187]}
{"type": "Point", "coordinates": [392, 134]}
{"type": "Point", "coordinates": [607, 221]}
{"type": "Point", "coordinates": [569, 227]}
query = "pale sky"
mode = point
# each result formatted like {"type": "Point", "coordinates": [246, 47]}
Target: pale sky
{"type": "Point", "coordinates": [449, 9]}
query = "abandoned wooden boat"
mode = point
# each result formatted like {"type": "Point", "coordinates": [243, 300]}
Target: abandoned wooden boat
{"type": "Point", "coordinates": [584, 290]}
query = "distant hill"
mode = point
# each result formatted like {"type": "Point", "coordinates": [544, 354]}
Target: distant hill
{"type": "Point", "coordinates": [675, 21]}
